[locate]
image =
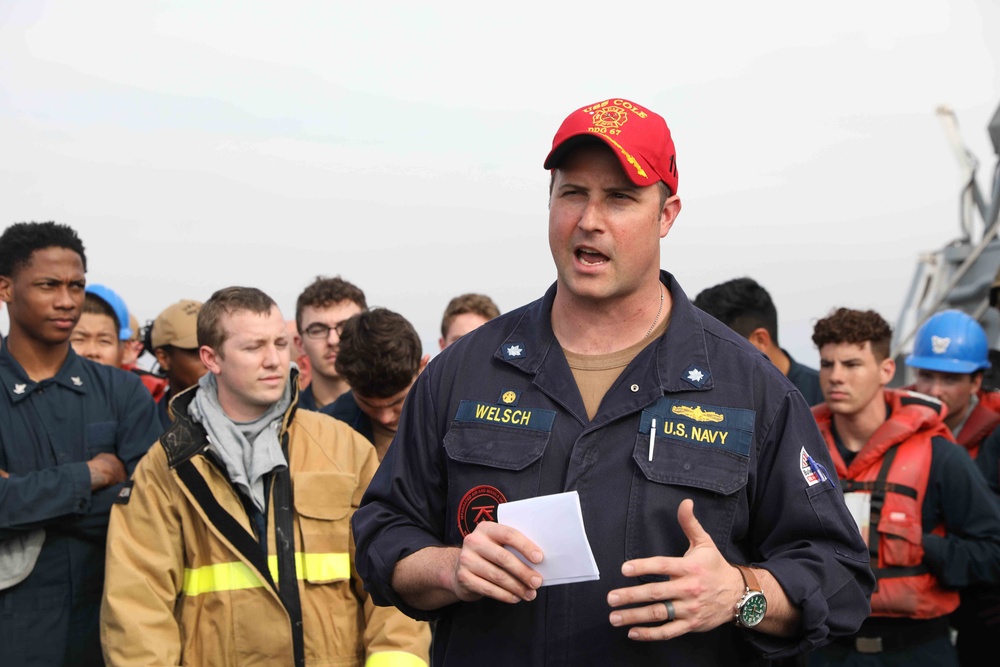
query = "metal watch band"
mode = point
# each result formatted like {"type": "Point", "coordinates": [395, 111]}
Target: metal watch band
{"type": "Point", "coordinates": [750, 579]}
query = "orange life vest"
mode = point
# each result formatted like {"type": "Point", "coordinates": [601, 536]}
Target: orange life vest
{"type": "Point", "coordinates": [894, 467]}
{"type": "Point", "coordinates": [983, 420]}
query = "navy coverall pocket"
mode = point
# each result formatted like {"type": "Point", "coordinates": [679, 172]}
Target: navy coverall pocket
{"type": "Point", "coordinates": [101, 437]}
{"type": "Point", "coordinates": [488, 465]}
{"type": "Point", "coordinates": [711, 476]}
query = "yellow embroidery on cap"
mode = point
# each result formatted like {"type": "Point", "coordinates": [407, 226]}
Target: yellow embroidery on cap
{"type": "Point", "coordinates": [631, 160]}
{"type": "Point", "coordinates": [612, 117]}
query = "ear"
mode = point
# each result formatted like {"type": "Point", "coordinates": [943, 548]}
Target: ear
{"type": "Point", "coordinates": [760, 339]}
{"type": "Point", "coordinates": [423, 363]}
{"type": "Point", "coordinates": [162, 358]}
{"type": "Point", "coordinates": [977, 382]}
{"type": "Point", "coordinates": [210, 358]}
{"type": "Point", "coordinates": [6, 289]}
{"type": "Point", "coordinates": [887, 370]}
{"type": "Point", "coordinates": [671, 208]}
{"type": "Point", "coordinates": [441, 343]}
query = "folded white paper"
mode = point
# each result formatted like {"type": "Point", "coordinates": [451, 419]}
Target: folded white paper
{"type": "Point", "coordinates": [555, 524]}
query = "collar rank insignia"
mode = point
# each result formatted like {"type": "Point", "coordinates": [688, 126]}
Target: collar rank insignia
{"type": "Point", "coordinates": [19, 388]}
{"type": "Point", "coordinates": [513, 351]}
{"type": "Point", "coordinates": [77, 381]}
{"type": "Point", "coordinates": [696, 376]}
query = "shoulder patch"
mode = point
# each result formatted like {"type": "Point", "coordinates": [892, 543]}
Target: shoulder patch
{"type": "Point", "coordinates": [125, 494]}
{"type": "Point", "coordinates": [812, 470]}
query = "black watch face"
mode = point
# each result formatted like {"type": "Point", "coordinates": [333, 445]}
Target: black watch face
{"type": "Point", "coordinates": [753, 609]}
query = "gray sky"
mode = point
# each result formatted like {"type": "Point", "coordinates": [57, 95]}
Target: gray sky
{"type": "Point", "coordinates": [195, 145]}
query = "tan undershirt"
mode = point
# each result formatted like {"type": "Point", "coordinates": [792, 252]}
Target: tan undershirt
{"type": "Point", "coordinates": [595, 373]}
{"type": "Point", "coordinates": [383, 438]}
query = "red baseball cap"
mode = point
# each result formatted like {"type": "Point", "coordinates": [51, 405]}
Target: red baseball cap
{"type": "Point", "coordinates": [639, 137]}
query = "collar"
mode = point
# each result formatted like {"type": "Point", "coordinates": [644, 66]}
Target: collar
{"type": "Point", "coordinates": [973, 402]}
{"type": "Point", "coordinates": [681, 353]}
{"type": "Point", "coordinates": [14, 381]}
{"type": "Point", "coordinates": [184, 437]}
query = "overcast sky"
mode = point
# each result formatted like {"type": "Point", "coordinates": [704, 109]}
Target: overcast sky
{"type": "Point", "coordinates": [195, 144]}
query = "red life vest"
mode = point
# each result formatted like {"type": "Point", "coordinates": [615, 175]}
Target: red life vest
{"type": "Point", "coordinates": [982, 421]}
{"type": "Point", "coordinates": [156, 385]}
{"type": "Point", "coordinates": [894, 467]}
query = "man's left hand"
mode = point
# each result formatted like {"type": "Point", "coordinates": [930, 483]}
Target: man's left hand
{"type": "Point", "coordinates": [702, 591]}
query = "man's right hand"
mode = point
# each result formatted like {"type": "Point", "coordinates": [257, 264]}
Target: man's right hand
{"type": "Point", "coordinates": [485, 568]}
{"type": "Point", "coordinates": [105, 470]}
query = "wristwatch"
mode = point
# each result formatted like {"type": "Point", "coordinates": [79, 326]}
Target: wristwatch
{"type": "Point", "coordinates": [752, 606]}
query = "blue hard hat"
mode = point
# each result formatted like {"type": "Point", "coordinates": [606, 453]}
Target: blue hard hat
{"type": "Point", "coordinates": [950, 342]}
{"type": "Point", "coordinates": [117, 304]}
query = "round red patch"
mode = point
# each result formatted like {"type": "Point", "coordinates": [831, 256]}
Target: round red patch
{"type": "Point", "coordinates": [478, 504]}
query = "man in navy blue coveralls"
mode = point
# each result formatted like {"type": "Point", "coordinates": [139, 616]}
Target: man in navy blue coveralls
{"type": "Point", "coordinates": [71, 431]}
{"type": "Point", "coordinates": [738, 475]}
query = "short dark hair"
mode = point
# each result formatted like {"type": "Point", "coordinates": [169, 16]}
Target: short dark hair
{"type": "Point", "coordinates": [325, 292]}
{"type": "Point", "coordinates": [857, 327]}
{"type": "Point", "coordinates": [227, 301]}
{"type": "Point", "coordinates": [379, 353]}
{"type": "Point", "coordinates": [21, 239]}
{"type": "Point", "coordinates": [97, 306]}
{"type": "Point", "coordinates": [742, 305]}
{"type": "Point", "coordinates": [480, 304]}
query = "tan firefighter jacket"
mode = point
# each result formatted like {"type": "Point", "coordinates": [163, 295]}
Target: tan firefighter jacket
{"type": "Point", "coordinates": [188, 583]}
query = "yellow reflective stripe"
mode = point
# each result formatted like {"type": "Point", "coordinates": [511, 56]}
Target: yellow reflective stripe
{"type": "Point", "coordinates": [323, 567]}
{"type": "Point", "coordinates": [237, 576]}
{"type": "Point", "coordinates": [220, 577]}
{"type": "Point", "coordinates": [394, 659]}
{"type": "Point", "coordinates": [316, 567]}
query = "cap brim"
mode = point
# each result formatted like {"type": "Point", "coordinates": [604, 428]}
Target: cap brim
{"type": "Point", "coordinates": [558, 154]}
{"type": "Point", "coordinates": [944, 365]}
{"type": "Point", "coordinates": [188, 343]}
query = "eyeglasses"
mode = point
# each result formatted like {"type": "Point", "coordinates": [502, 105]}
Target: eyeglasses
{"type": "Point", "coordinates": [319, 331]}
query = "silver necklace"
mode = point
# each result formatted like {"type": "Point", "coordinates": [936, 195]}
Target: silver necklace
{"type": "Point", "coordinates": [658, 311]}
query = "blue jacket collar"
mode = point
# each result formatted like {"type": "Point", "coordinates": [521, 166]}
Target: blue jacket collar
{"type": "Point", "coordinates": [681, 355]}
{"type": "Point", "coordinates": [14, 381]}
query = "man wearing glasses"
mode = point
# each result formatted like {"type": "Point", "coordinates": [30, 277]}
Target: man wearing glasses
{"type": "Point", "coordinates": [320, 310]}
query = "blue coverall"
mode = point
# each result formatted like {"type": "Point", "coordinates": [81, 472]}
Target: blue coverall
{"type": "Point", "coordinates": [498, 416]}
{"type": "Point", "coordinates": [48, 432]}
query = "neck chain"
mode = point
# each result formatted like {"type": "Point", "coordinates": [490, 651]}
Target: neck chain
{"type": "Point", "coordinates": [658, 311]}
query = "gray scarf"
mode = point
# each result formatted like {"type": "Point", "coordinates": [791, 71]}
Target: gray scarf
{"type": "Point", "coordinates": [249, 450]}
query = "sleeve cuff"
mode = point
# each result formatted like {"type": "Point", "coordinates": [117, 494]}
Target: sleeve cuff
{"type": "Point", "coordinates": [406, 541]}
{"type": "Point", "coordinates": [81, 488]}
